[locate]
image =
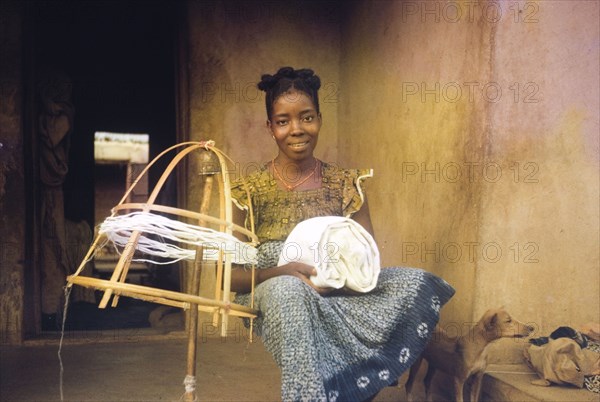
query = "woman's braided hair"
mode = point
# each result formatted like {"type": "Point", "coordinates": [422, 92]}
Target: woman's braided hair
{"type": "Point", "coordinates": [286, 79]}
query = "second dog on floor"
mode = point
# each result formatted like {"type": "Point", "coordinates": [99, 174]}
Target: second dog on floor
{"type": "Point", "coordinates": [464, 358]}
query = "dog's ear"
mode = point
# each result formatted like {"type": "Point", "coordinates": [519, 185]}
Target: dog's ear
{"type": "Point", "coordinates": [491, 322]}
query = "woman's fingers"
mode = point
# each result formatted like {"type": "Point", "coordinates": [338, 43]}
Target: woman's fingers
{"type": "Point", "coordinates": [302, 269]}
{"type": "Point", "coordinates": [304, 272]}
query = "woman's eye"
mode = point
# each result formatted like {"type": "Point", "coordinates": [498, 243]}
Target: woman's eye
{"type": "Point", "coordinates": [281, 122]}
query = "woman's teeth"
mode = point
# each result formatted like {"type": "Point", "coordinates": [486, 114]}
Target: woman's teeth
{"type": "Point", "coordinates": [299, 145]}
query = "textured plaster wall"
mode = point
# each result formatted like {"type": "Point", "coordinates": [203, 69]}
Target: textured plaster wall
{"type": "Point", "coordinates": [395, 120]}
{"type": "Point", "coordinates": [554, 219]}
{"type": "Point", "coordinates": [481, 122]}
{"type": "Point", "coordinates": [12, 181]}
{"type": "Point", "coordinates": [479, 118]}
{"type": "Point", "coordinates": [231, 45]}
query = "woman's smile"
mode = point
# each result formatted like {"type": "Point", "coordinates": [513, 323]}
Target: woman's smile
{"type": "Point", "coordinates": [299, 145]}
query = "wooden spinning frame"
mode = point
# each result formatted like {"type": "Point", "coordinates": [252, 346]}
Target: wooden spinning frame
{"type": "Point", "coordinates": [220, 305]}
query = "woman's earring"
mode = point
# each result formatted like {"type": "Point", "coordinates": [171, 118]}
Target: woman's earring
{"type": "Point", "coordinates": [273, 136]}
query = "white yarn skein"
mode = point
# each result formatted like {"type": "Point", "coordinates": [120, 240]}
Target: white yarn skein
{"type": "Point", "coordinates": [118, 229]}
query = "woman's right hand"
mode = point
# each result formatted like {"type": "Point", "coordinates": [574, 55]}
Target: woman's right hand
{"type": "Point", "coordinates": [304, 272]}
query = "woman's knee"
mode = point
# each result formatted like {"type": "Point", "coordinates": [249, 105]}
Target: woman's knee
{"type": "Point", "coordinates": [285, 289]}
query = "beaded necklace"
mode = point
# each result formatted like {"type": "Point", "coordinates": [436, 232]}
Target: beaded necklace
{"type": "Point", "coordinates": [285, 183]}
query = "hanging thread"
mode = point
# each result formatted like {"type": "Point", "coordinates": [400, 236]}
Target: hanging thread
{"type": "Point", "coordinates": [67, 290]}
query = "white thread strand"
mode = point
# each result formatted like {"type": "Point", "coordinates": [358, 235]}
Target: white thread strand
{"type": "Point", "coordinates": [118, 229]}
{"type": "Point", "coordinates": [67, 291]}
{"type": "Point", "coordinates": [62, 336]}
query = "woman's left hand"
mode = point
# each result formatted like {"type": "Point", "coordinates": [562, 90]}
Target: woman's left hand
{"type": "Point", "coordinates": [304, 272]}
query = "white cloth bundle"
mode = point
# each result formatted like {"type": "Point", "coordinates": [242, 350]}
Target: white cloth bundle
{"type": "Point", "coordinates": [342, 251]}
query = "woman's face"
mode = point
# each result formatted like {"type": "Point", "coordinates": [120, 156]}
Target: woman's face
{"type": "Point", "coordinates": [295, 125]}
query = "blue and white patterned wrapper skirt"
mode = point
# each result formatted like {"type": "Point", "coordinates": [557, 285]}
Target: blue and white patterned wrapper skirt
{"type": "Point", "coordinates": [345, 348]}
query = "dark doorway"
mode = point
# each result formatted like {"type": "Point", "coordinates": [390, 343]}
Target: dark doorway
{"type": "Point", "coordinates": [120, 58]}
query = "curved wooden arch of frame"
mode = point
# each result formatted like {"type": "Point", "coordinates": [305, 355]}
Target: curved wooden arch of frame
{"type": "Point", "coordinates": [221, 304]}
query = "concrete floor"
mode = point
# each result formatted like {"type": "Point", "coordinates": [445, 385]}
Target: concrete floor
{"type": "Point", "coordinates": [139, 365]}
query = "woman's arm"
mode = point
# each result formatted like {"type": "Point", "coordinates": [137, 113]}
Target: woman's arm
{"type": "Point", "coordinates": [241, 279]}
{"type": "Point", "coordinates": [363, 216]}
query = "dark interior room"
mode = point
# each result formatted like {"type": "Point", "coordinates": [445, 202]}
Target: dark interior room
{"type": "Point", "coordinates": [119, 58]}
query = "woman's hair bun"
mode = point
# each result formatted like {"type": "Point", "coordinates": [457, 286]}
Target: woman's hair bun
{"type": "Point", "coordinates": [312, 81]}
{"type": "Point", "coordinates": [267, 81]}
{"type": "Point", "coordinates": [306, 75]}
{"type": "Point", "coordinates": [287, 72]}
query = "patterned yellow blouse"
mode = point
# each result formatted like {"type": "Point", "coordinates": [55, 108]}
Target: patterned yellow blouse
{"type": "Point", "coordinates": [277, 211]}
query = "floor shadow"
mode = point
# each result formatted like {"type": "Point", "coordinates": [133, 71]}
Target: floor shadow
{"type": "Point", "coordinates": [82, 316]}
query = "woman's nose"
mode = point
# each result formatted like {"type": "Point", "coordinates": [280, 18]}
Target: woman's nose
{"type": "Point", "coordinates": [296, 127]}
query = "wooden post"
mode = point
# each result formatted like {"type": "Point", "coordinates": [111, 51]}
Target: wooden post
{"type": "Point", "coordinates": [193, 329]}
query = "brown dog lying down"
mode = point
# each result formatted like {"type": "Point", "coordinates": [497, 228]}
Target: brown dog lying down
{"type": "Point", "coordinates": [464, 358]}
